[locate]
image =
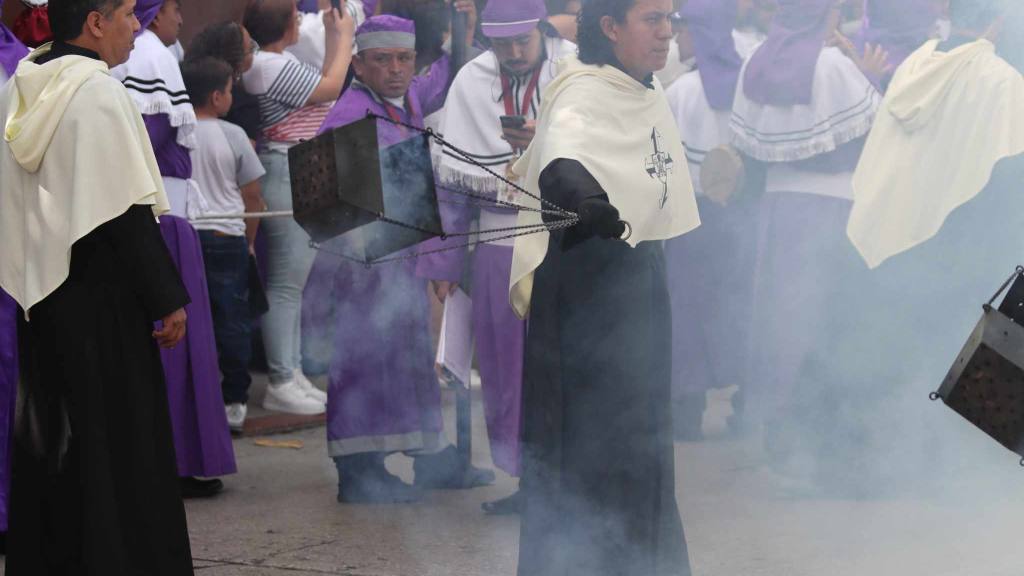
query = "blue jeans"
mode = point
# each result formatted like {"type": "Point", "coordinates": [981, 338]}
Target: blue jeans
{"type": "Point", "coordinates": [227, 278]}
{"type": "Point", "coordinates": [289, 261]}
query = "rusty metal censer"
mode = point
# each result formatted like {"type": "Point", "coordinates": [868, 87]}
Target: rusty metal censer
{"type": "Point", "coordinates": [985, 385]}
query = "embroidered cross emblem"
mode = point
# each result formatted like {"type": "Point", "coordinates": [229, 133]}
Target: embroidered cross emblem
{"type": "Point", "coordinates": [659, 164]}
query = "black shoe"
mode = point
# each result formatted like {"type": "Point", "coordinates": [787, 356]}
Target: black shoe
{"type": "Point", "coordinates": [506, 506]}
{"type": "Point", "coordinates": [195, 488]}
{"type": "Point", "coordinates": [363, 479]}
{"type": "Point", "coordinates": [445, 471]}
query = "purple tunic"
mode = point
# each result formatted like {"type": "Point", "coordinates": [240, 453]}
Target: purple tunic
{"type": "Point", "coordinates": [498, 334]}
{"type": "Point", "coordinates": [11, 49]}
{"type": "Point", "coordinates": [383, 394]}
{"type": "Point", "coordinates": [710, 278]}
{"type": "Point", "coordinates": [8, 394]}
{"type": "Point", "coordinates": [500, 338]}
{"type": "Point", "coordinates": [202, 439]}
{"type": "Point", "coordinates": [172, 158]}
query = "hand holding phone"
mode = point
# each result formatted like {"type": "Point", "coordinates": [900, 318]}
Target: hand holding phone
{"type": "Point", "coordinates": [516, 122]}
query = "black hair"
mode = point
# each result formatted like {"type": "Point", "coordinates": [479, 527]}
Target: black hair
{"type": "Point", "coordinates": [976, 15]}
{"type": "Point", "coordinates": [268, 20]}
{"type": "Point", "coordinates": [203, 77]}
{"type": "Point", "coordinates": [594, 46]}
{"type": "Point", "coordinates": [224, 40]}
{"type": "Point", "coordinates": [67, 17]}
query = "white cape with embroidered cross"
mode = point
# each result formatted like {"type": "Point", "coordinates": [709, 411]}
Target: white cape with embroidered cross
{"type": "Point", "coordinates": [624, 134]}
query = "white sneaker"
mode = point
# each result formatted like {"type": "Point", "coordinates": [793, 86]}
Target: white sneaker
{"type": "Point", "coordinates": [310, 389]}
{"type": "Point", "coordinates": [290, 398]}
{"type": "Point", "coordinates": [236, 416]}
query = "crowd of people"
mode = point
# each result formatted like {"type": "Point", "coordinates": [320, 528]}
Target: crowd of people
{"type": "Point", "coordinates": [769, 230]}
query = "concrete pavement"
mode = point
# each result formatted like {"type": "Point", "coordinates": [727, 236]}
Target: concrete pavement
{"type": "Point", "coordinates": [278, 517]}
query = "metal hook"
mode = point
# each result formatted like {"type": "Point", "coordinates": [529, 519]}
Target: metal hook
{"type": "Point", "coordinates": [629, 230]}
{"type": "Point", "coordinates": [1019, 270]}
{"type": "Point", "coordinates": [934, 396]}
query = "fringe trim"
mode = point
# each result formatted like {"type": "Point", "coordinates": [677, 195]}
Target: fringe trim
{"type": "Point", "coordinates": [181, 117]}
{"type": "Point", "coordinates": [459, 180]}
{"type": "Point", "coordinates": [805, 149]}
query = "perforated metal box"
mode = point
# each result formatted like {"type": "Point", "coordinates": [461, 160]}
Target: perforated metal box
{"type": "Point", "coordinates": [985, 385]}
{"type": "Point", "coordinates": [369, 200]}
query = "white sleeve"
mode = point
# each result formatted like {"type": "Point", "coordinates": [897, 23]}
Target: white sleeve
{"type": "Point", "coordinates": [312, 44]}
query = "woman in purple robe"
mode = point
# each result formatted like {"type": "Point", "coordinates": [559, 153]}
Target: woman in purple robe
{"type": "Point", "coordinates": [792, 82]}
{"type": "Point", "coordinates": [199, 422]}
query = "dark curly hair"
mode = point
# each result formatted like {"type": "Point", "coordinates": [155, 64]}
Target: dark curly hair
{"type": "Point", "coordinates": [594, 46]}
{"type": "Point", "coordinates": [224, 40]}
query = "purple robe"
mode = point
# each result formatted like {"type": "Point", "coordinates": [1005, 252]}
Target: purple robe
{"type": "Point", "coordinates": [383, 394]}
{"type": "Point", "coordinates": [202, 439]}
{"type": "Point", "coordinates": [498, 334]}
{"type": "Point", "coordinates": [8, 395]}
{"type": "Point", "coordinates": [11, 49]}
{"type": "Point", "coordinates": [710, 270]}
{"type": "Point", "coordinates": [172, 158]}
{"type": "Point", "coordinates": [710, 279]}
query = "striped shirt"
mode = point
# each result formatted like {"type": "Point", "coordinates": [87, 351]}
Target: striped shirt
{"type": "Point", "coordinates": [283, 85]}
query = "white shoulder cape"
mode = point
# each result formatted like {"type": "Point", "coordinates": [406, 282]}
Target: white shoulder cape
{"type": "Point", "coordinates": [946, 121]}
{"type": "Point", "coordinates": [624, 134]}
{"type": "Point", "coordinates": [842, 109]}
{"type": "Point", "coordinates": [75, 154]}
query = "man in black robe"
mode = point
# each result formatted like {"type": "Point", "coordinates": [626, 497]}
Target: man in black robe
{"type": "Point", "coordinates": [94, 488]}
{"type": "Point", "coordinates": [598, 460]}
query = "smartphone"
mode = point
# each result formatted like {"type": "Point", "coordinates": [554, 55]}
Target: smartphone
{"type": "Point", "coordinates": [513, 121]}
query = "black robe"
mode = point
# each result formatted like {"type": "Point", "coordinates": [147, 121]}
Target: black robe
{"type": "Point", "coordinates": [598, 460]}
{"type": "Point", "coordinates": [94, 487]}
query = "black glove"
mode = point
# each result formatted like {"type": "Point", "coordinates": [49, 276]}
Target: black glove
{"type": "Point", "coordinates": [597, 218]}
{"type": "Point", "coordinates": [566, 183]}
